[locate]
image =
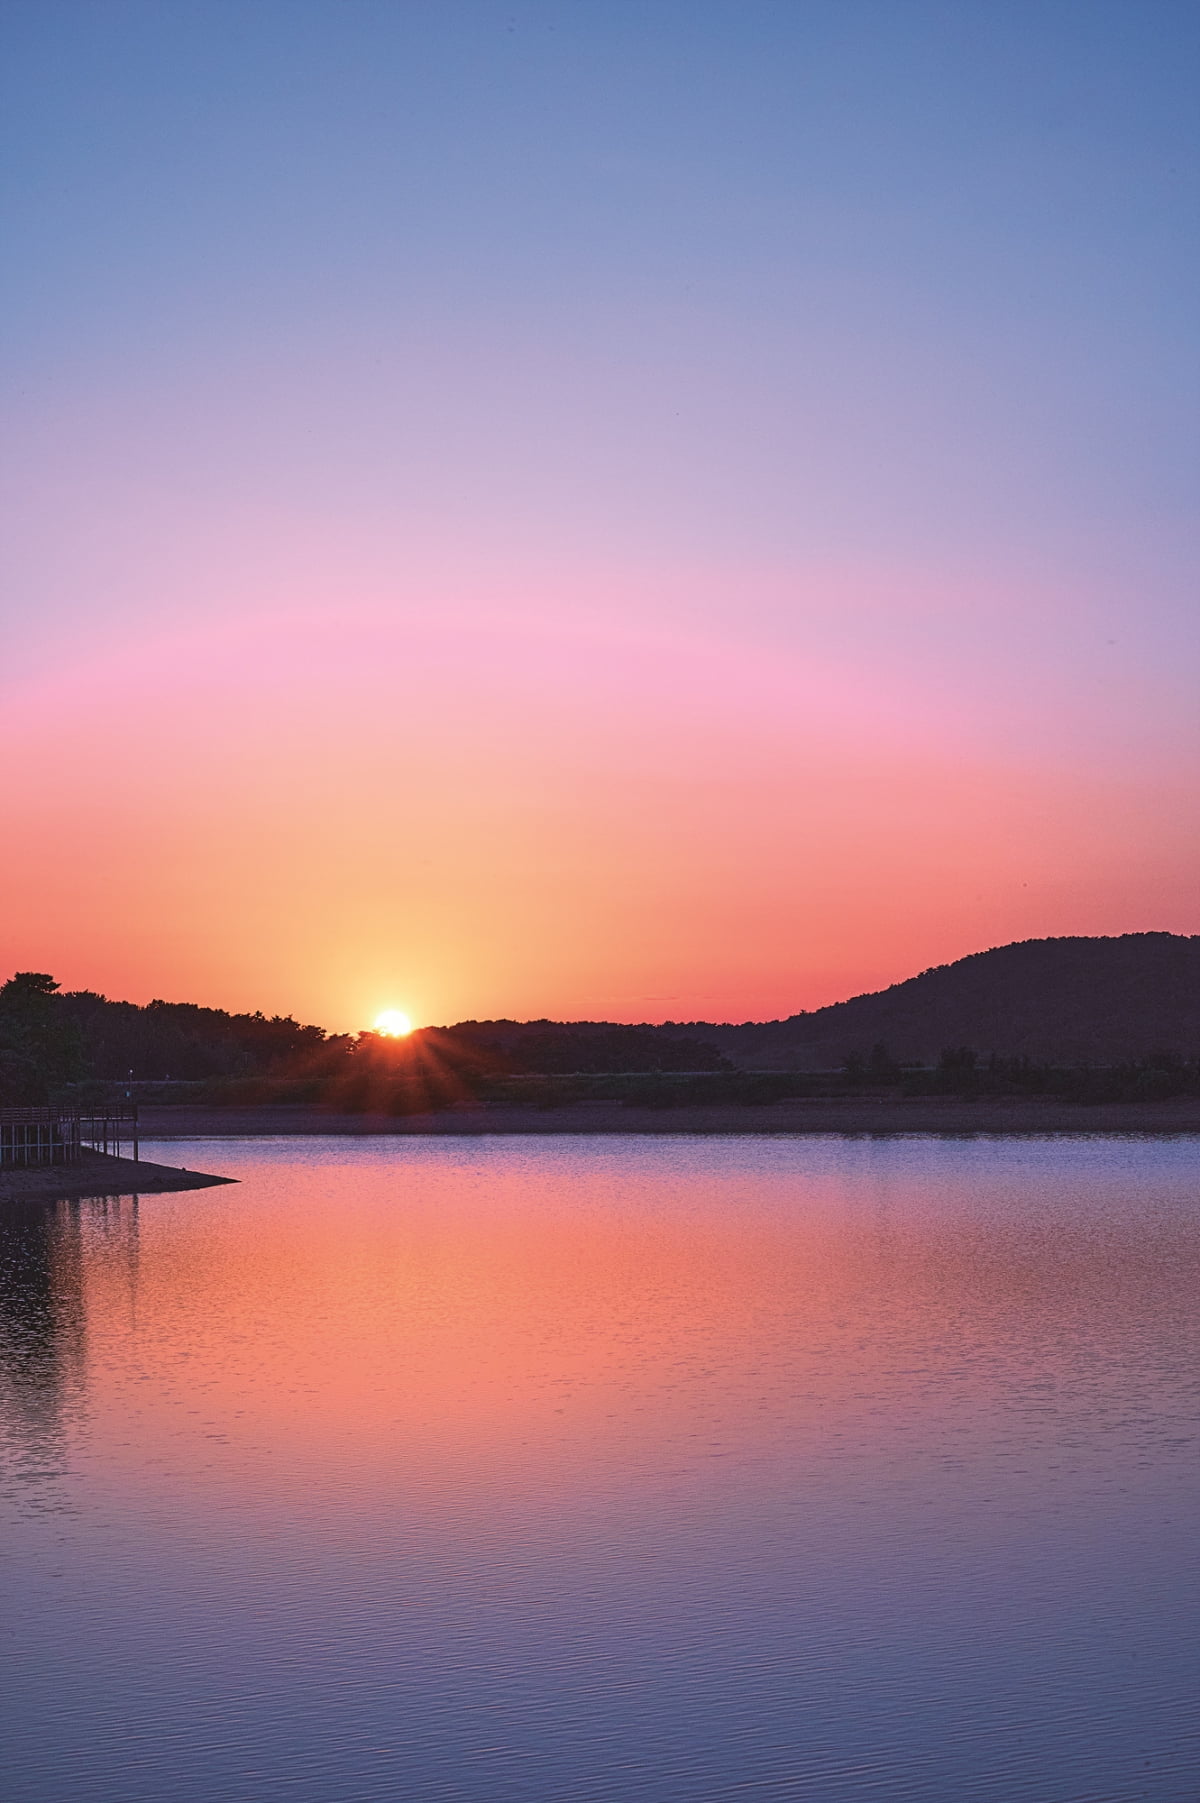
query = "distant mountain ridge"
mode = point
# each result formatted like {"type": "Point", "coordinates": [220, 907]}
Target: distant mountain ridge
{"type": "Point", "coordinates": [1062, 1001]}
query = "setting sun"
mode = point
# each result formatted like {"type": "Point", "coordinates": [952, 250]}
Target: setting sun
{"type": "Point", "coordinates": [393, 1023]}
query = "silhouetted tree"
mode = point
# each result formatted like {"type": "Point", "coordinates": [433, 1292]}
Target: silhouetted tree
{"type": "Point", "coordinates": [41, 1047]}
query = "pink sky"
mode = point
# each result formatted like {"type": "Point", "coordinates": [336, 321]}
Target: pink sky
{"type": "Point", "coordinates": [334, 813]}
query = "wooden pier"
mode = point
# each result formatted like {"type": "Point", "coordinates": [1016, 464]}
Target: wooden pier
{"type": "Point", "coordinates": [37, 1136]}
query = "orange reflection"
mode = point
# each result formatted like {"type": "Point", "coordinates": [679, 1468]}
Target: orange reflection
{"type": "Point", "coordinates": [457, 1319]}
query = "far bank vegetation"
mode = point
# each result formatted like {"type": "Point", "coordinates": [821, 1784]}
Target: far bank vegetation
{"type": "Point", "coordinates": [1127, 1012]}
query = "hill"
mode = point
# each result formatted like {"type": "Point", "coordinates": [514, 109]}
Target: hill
{"type": "Point", "coordinates": [1061, 1001]}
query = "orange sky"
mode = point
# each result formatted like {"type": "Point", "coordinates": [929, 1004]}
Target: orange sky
{"type": "Point", "coordinates": [329, 815]}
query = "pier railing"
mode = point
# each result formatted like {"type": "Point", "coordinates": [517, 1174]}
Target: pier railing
{"type": "Point", "coordinates": [55, 1135]}
{"type": "Point", "coordinates": [108, 1129]}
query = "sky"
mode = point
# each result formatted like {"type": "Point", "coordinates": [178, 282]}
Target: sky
{"type": "Point", "coordinates": [635, 511]}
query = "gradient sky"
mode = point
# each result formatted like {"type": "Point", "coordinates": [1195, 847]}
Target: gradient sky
{"type": "Point", "coordinates": [630, 510]}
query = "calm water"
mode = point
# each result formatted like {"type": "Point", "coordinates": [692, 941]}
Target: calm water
{"type": "Point", "coordinates": [630, 1469]}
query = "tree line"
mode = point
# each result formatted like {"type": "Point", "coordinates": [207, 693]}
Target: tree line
{"type": "Point", "coordinates": [59, 1046]}
{"type": "Point", "coordinates": [964, 1072]}
{"type": "Point", "coordinates": [56, 1044]}
{"type": "Point", "coordinates": [51, 1041]}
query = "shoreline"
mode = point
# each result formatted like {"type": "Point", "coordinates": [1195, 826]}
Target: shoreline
{"type": "Point", "coordinates": [851, 1115]}
{"type": "Point", "coordinates": [98, 1174]}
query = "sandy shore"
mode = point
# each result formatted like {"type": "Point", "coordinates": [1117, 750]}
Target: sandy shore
{"type": "Point", "coordinates": [848, 1114]}
{"type": "Point", "coordinates": [96, 1174]}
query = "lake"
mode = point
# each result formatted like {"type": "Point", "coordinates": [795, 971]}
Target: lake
{"type": "Point", "coordinates": [603, 1468]}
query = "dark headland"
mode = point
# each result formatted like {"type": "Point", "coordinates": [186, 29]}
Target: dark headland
{"type": "Point", "coordinates": [97, 1174]}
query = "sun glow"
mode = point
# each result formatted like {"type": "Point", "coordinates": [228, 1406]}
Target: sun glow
{"type": "Point", "coordinates": [393, 1023]}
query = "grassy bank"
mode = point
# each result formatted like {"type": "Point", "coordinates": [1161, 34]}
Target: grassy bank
{"type": "Point", "coordinates": [846, 1114]}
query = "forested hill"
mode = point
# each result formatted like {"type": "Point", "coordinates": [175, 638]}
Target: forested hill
{"type": "Point", "coordinates": [1061, 1001]}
